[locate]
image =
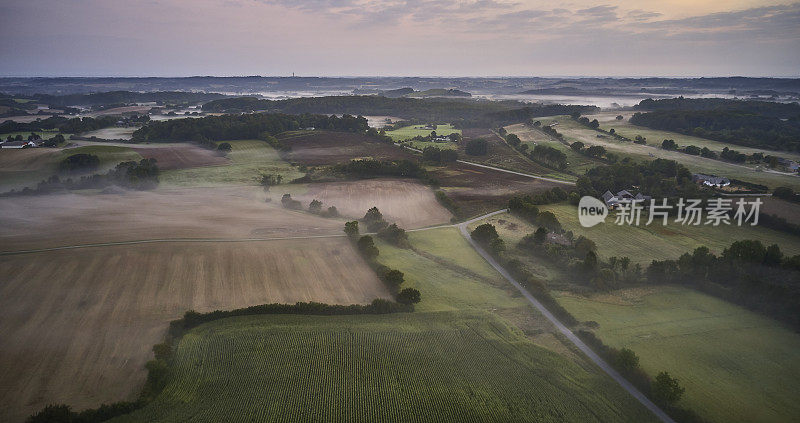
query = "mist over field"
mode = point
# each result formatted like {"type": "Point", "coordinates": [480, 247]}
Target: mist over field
{"type": "Point", "coordinates": [376, 211]}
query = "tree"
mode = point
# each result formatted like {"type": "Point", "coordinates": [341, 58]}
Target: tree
{"type": "Point", "coordinates": [269, 180]}
{"type": "Point", "coordinates": [540, 235]}
{"type": "Point", "coordinates": [395, 235]}
{"type": "Point", "coordinates": [669, 145]}
{"type": "Point", "coordinates": [332, 212]}
{"type": "Point", "coordinates": [366, 245]}
{"type": "Point", "coordinates": [666, 389]}
{"type": "Point", "coordinates": [54, 413]}
{"type": "Point", "coordinates": [374, 220]}
{"type": "Point", "coordinates": [590, 261]}
{"type": "Point", "coordinates": [315, 206]}
{"type": "Point", "coordinates": [351, 228]}
{"type": "Point", "coordinates": [619, 117]}
{"type": "Point", "coordinates": [372, 214]}
{"type": "Point", "coordinates": [497, 246]}
{"type": "Point", "coordinates": [79, 162]}
{"type": "Point", "coordinates": [773, 256]}
{"type": "Point", "coordinates": [393, 277]}
{"type": "Point", "coordinates": [477, 147]}
{"type": "Point", "coordinates": [594, 124]}
{"type": "Point", "coordinates": [584, 245]}
{"type": "Point", "coordinates": [596, 151]}
{"type": "Point", "coordinates": [577, 146]}
{"type": "Point", "coordinates": [408, 296]}
{"type": "Point", "coordinates": [513, 140]}
{"type": "Point", "coordinates": [224, 147]}
{"type": "Point", "coordinates": [484, 234]}
{"type": "Point", "coordinates": [627, 360]}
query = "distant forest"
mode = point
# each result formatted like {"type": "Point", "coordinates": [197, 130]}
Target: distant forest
{"type": "Point", "coordinates": [463, 113]}
{"type": "Point", "coordinates": [247, 126]}
{"type": "Point", "coordinates": [758, 124]}
{"type": "Point", "coordinates": [117, 97]}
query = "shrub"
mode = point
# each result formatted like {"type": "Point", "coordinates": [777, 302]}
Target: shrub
{"type": "Point", "coordinates": [79, 162]}
{"type": "Point", "coordinates": [366, 245]}
{"type": "Point", "coordinates": [408, 296]}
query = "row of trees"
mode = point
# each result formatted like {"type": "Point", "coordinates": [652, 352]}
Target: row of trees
{"type": "Point", "coordinates": [247, 126]}
{"type": "Point", "coordinates": [365, 245]}
{"type": "Point", "coordinates": [435, 155]}
{"type": "Point", "coordinates": [141, 175]}
{"type": "Point", "coordinates": [732, 126]}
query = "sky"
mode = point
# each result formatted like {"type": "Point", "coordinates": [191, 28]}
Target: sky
{"type": "Point", "coordinates": [399, 37]}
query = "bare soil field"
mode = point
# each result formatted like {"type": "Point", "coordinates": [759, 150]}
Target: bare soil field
{"type": "Point", "coordinates": [120, 111]}
{"type": "Point", "coordinates": [112, 133]}
{"type": "Point", "coordinates": [182, 156]}
{"type": "Point", "coordinates": [478, 190]}
{"type": "Point", "coordinates": [785, 209]}
{"type": "Point", "coordinates": [409, 204]}
{"type": "Point", "coordinates": [77, 326]}
{"type": "Point", "coordinates": [327, 148]}
{"type": "Point", "coordinates": [44, 221]}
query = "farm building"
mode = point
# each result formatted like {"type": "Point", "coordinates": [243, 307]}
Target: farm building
{"type": "Point", "coordinates": [710, 180]}
{"type": "Point", "coordinates": [614, 200]}
{"type": "Point", "coordinates": [17, 144]}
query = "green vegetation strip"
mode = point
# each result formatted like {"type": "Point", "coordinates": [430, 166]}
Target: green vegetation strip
{"type": "Point", "coordinates": [403, 367]}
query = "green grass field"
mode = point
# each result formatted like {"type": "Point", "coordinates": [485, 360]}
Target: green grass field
{"type": "Point", "coordinates": [249, 158]}
{"type": "Point", "coordinates": [27, 167]}
{"type": "Point", "coordinates": [645, 243]}
{"type": "Point", "coordinates": [655, 136]}
{"type": "Point", "coordinates": [642, 244]}
{"type": "Point", "coordinates": [409, 132]}
{"type": "Point", "coordinates": [578, 163]}
{"type": "Point", "coordinates": [444, 367]}
{"type": "Point", "coordinates": [573, 131]}
{"type": "Point", "coordinates": [735, 365]}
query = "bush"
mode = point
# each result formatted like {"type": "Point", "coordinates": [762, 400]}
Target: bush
{"type": "Point", "coordinates": [224, 147]}
{"type": "Point", "coordinates": [366, 246]}
{"type": "Point", "coordinates": [408, 296]}
{"type": "Point", "coordinates": [394, 235]}
{"type": "Point", "coordinates": [484, 234]}
{"type": "Point", "coordinates": [79, 162]}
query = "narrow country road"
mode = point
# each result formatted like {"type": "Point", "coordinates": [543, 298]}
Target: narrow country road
{"type": "Point", "coordinates": [499, 169]}
{"type": "Point", "coordinates": [563, 329]}
{"type": "Point", "coordinates": [558, 181]}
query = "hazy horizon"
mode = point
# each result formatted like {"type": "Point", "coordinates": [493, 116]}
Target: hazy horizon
{"type": "Point", "coordinates": [673, 38]}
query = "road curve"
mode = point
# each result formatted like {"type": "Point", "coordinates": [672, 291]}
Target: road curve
{"type": "Point", "coordinates": [565, 331]}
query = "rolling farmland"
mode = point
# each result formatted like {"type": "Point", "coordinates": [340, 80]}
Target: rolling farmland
{"type": "Point", "coordinates": [735, 364]}
{"type": "Point", "coordinates": [403, 367]}
{"type": "Point", "coordinates": [655, 242]}
{"type": "Point", "coordinates": [232, 212]}
{"type": "Point", "coordinates": [408, 203]}
{"type": "Point", "coordinates": [77, 326]}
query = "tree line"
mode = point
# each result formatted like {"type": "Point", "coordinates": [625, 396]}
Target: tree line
{"type": "Point", "coordinates": [747, 273]}
{"type": "Point", "coordinates": [247, 126]}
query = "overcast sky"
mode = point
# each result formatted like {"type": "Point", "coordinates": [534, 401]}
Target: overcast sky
{"type": "Point", "coordinates": [399, 37]}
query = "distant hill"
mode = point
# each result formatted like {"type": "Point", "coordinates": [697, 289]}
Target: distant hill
{"type": "Point", "coordinates": [439, 92]}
